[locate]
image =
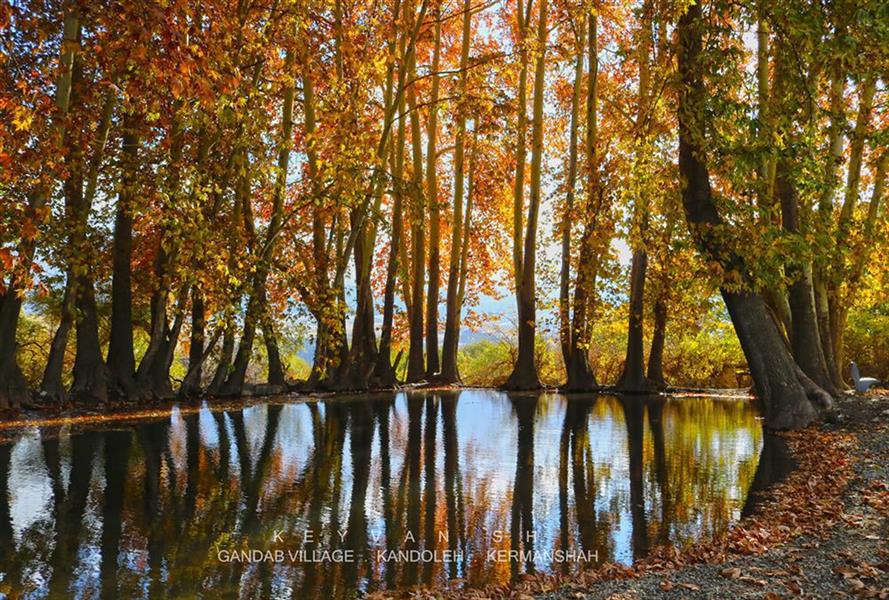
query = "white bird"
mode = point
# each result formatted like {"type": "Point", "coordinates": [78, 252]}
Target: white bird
{"type": "Point", "coordinates": [862, 384]}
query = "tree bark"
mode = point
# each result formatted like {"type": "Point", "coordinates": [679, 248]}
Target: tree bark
{"type": "Point", "coordinates": [789, 399]}
{"type": "Point", "coordinates": [524, 375]}
{"type": "Point", "coordinates": [568, 210]}
{"type": "Point", "coordinates": [384, 370]}
{"type": "Point", "coordinates": [656, 354]}
{"type": "Point", "coordinates": [192, 386]}
{"type": "Point", "coordinates": [450, 346]}
{"type": "Point", "coordinates": [433, 364]}
{"type": "Point", "coordinates": [121, 357]}
{"type": "Point", "coordinates": [805, 340]}
{"type": "Point", "coordinates": [580, 374]}
{"type": "Point", "coordinates": [416, 368]}
{"type": "Point", "coordinates": [632, 379]}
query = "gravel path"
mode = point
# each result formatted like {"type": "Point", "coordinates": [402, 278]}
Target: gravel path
{"type": "Point", "coordinates": [850, 560]}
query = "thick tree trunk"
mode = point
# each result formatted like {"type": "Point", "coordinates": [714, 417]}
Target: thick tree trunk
{"type": "Point", "coordinates": [432, 351]}
{"type": "Point", "coordinates": [633, 379]}
{"type": "Point", "coordinates": [524, 375]}
{"type": "Point", "coordinates": [90, 381]}
{"type": "Point", "coordinates": [52, 389]}
{"type": "Point", "coordinates": [13, 387]}
{"type": "Point", "coordinates": [789, 399]}
{"type": "Point", "coordinates": [225, 360]}
{"type": "Point", "coordinates": [805, 340]}
{"type": "Point", "coordinates": [121, 358]}
{"type": "Point", "coordinates": [192, 385]}
{"type": "Point", "coordinates": [656, 354]}
{"type": "Point", "coordinates": [276, 374]}
{"type": "Point", "coordinates": [580, 374]}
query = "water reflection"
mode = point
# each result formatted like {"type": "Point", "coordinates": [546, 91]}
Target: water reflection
{"type": "Point", "coordinates": [359, 494]}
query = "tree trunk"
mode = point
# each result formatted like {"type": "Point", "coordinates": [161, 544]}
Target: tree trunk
{"type": "Point", "coordinates": [825, 219]}
{"type": "Point", "coordinates": [449, 371]}
{"type": "Point", "coordinates": [89, 383]}
{"type": "Point", "coordinates": [13, 387]}
{"type": "Point", "coordinates": [192, 387]}
{"type": "Point", "coordinates": [416, 368]}
{"type": "Point", "coordinates": [384, 370]}
{"type": "Point", "coordinates": [789, 398]}
{"type": "Point", "coordinates": [524, 374]}
{"type": "Point", "coordinates": [270, 338]}
{"type": "Point", "coordinates": [234, 385]}
{"type": "Point", "coordinates": [225, 360]}
{"type": "Point", "coordinates": [580, 374]}
{"type": "Point", "coordinates": [568, 210]}
{"type": "Point", "coordinates": [52, 388]}
{"type": "Point", "coordinates": [656, 354]}
{"type": "Point", "coordinates": [632, 379]}
{"type": "Point", "coordinates": [805, 340]}
{"type": "Point", "coordinates": [432, 359]}
{"type": "Point", "coordinates": [121, 358]}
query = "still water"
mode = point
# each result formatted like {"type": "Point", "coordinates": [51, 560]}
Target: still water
{"type": "Point", "coordinates": [341, 497]}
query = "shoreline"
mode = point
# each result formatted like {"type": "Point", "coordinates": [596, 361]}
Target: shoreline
{"type": "Point", "coordinates": [37, 415]}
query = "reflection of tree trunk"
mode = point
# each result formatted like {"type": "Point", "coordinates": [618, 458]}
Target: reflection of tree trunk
{"type": "Point", "coordinates": [192, 450]}
{"type": "Point", "coordinates": [655, 406]}
{"type": "Point", "coordinates": [414, 441]}
{"type": "Point", "coordinates": [7, 548]}
{"type": "Point", "coordinates": [575, 448]}
{"type": "Point", "coordinates": [582, 473]}
{"type": "Point", "coordinates": [153, 439]}
{"type": "Point", "coordinates": [382, 409]}
{"type": "Point", "coordinates": [634, 414]}
{"type": "Point", "coordinates": [429, 453]}
{"type": "Point", "coordinates": [224, 447]}
{"type": "Point", "coordinates": [326, 458]}
{"type": "Point", "coordinates": [453, 490]}
{"type": "Point", "coordinates": [564, 452]}
{"type": "Point", "coordinates": [361, 439]}
{"type": "Point", "coordinates": [117, 454]}
{"type": "Point", "coordinates": [775, 463]}
{"type": "Point", "coordinates": [522, 522]}
{"type": "Point", "coordinates": [9, 559]}
{"type": "Point", "coordinates": [64, 555]}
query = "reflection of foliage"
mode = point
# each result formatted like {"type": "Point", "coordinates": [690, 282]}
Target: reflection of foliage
{"type": "Point", "coordinates": [206, 481]}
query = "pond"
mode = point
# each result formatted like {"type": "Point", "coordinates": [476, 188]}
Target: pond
{"type": "Point", "coordinates": [340, 497]}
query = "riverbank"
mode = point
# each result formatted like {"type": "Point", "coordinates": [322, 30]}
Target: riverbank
{"type": "Point", "coordinates": [820, 534]}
